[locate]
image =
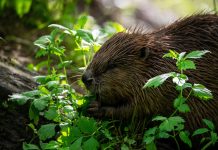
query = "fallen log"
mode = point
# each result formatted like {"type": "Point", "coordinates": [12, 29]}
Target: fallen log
{"type": "Point", "coordinates": [14, 118]}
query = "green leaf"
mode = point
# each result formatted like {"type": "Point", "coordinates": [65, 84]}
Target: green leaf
{"type": "Point", "coordinates": [51, 145]}
{"type": "Point", "coordinates": [64, 64]}
{"type": "Point", "coordinates": [107, 134]}
{"type": "Point", "coordinates": [30, 146]}
{"type": "Point", "coordinates": [43, 41]}
{"type": "Point", "coordinates": [41, 103]}
{"type": "Point", "coordinates": [149, 139]}
{"type": "Point", "coordinates": [32, 93]}
{"type": "Point", "coordinates": [214, 137]}
{"type": "Point", "coordinates": [196, 54]}
{"type": "Point", "coordinates": [124, 147]}
{"type": "Point", "coordinates": [86, 125]}
{"type": "Point", "coordinates": [176, 119]}
{"type": "Point", "coordinates": [2, 4]}
{"type": "Point", "coordinates": [90, 144]}
{"type": "Point", "coordinates": [209, 124]}
{"type": "Point", "coordinates": [172, 54]}
{"type": "Point", "coordinates": [159, 118]}
{"type": "Point", "coordinates": [40, 79]}
{"type": "Point", "coordinates": [52, 84]}
{"type": "Point", "coordinates": [184, 108]}
{"type": "Point", "coordinates": [85, 35]}
{"type": "Point", "coordinates": [22, 7]}
{"type": "Point", "coordinates": [163, 135]}
{"type": "Point", "coordinates": [151, 146]}
{"type": "Point", "coordinates": [178, 101]}
{"type": "Point", "coordinates": [181, 56]}
{"type": "Point", "coordinates": [46, 131]}
{"type": "Point", "coordinates": [180, 79]}
{"type": "Point", "coordinates": [19, 98]}
{"type": "Point", "coordinates": [52, 113]}
{"type": "Point", "coordinates": [33, 114]}
{"type": "Point", "coordinates": [185, 138]}
{"type": "Point", "coordinates": [77, 144]}
{"type": "Point", "coordinates": [58, 26]}
{"type": "Point", "coordinates": [185, 85]}
{"type": "Point", "coordinates": [158, 80]}
{"type": "Point", "coordinates": [130, 141]}
{"type": "Point", "coordinates": [81, 22]}
{"type": "Point", "coordinates": [200, 131]}
{"type": "Point", "coordinates": [186, 64]}
{"type": "Point", "coordinates": [171, 123]}
{"type": "Point", "coordinates": [179, 127]}
{"type": "Point", "coordinates": [150, 131]}
{"type": "Point", "coordinates": [75, 133]}
{"type": "Point", "coordinates": [202, 92]}
{"type": "Point", "coordinates": [118, 27]}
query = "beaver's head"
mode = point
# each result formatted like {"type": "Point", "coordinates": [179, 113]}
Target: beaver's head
{"type": "Point", "coordinates": [116, 73]}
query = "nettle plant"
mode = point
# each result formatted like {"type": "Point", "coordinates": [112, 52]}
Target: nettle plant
{"type": "Point", "coordinates": [173, 126]}
{"type": "Point", "coordinates": [54, 116]}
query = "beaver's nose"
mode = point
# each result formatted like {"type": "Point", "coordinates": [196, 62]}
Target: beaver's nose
{"type": "Point", "coordinates": [87, 78]}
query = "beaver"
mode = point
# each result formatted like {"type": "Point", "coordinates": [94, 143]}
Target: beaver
{"type": "Point", "coordinates": [127, 60]}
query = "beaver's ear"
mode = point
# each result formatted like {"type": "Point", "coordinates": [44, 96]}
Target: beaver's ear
{"type": "Point", "coordinates": [144, 52]}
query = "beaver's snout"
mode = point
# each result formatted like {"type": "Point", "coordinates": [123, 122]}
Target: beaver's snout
{"type": "Point", "coordinates": [87, 78]}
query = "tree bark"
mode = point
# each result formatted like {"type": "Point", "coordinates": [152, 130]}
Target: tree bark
{"type": "Point", "coordinates": [14, 118]}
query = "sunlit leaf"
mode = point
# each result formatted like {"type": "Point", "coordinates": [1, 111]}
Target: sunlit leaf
{"type": "Point", "coordinates": [30, 146]}
{"type": "Point", "coordinates": [19, 98]}
{"type": "Point", "coordinates": [172, 54]}
{"type": "Point", "coordinates": [180, 79]}
{"type": "Point", "coordinates": [185, 85]}
{"type": "Point", "coordinates": [202, 92]}
{"type": "Point", "coordinates": [51, 145]}
{"type": "Point", "coordinates": [22, 6]}
{"type": "Point", "coordinates": [196, 54]}
{"type": "Point", "coordinates": [158, 80]}
{"type": "Point", "coordinates": [159, 118]}
{"type": "Point", "coordinates": [186, 64]}
{"type": "Point", "coordinates": [85, 35]}
{"type": "Point", "coordinates": [43, 41]}
{"type": "Point", "coordinates": [181, 56]}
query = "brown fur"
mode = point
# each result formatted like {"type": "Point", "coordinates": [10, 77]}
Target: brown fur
{"type": "Point", "coordinates": [118, 72]}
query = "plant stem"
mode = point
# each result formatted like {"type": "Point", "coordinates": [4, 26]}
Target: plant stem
{"type": "Point", "coordinates": [207, 145]}
{"type": "Point", "coordinates": [64, 68]}
{"type": "Point", "coordinates": [49, 62]}
{"type": "Point", "coordinates": [214, 6]}
{"type": "Point", "coordinates": [177, 144]}
{"type": "Point", "coordinates": [189, 94]}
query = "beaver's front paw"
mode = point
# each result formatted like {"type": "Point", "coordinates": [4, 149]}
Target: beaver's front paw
{"type": "Point", "coordinates": [95, 110]}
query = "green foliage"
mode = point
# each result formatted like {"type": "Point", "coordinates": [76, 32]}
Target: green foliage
{"type": "Point", "coordinates": [173, 126]}
{"type": "Point", "coordinates": [55, 101]}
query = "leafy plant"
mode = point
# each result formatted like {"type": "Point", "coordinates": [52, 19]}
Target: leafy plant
{"type": "Point", "coordinates": [54, 105]}
{"type": "Point", "coordinates": [173, 126]}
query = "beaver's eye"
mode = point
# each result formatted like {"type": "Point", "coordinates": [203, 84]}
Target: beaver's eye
{"type": "Point", "coordinates": [111, 66]}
